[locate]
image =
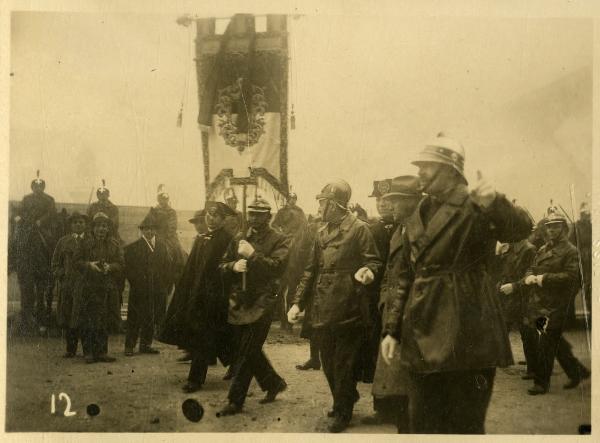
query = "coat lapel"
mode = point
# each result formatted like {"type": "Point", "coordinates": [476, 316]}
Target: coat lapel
{"type": "Point", "coordinates": [396, 240]}
{"type": "Point", "coordinates": [326, 236]}
{"type": "Point", "coordinates": [421, 237]}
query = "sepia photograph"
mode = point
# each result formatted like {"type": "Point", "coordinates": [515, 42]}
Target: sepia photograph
{"type": "Point", "coordinates": [298, 220]}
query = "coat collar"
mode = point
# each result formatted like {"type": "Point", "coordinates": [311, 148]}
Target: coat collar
{"type": "Point", "coordinates": [396, 239]}
{"type": "Point", "coordinates": [326, 236]}
{"type": "Point", "coordinates": [421, 237]}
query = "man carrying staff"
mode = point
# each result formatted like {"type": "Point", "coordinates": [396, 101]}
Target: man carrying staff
{"type": "Point", "coordinates": [343, 259]}
{"type": "Point", "coordinates": [444, 312]}
{"type": "Point", "coordinates": [197, 316]}
{"type": "Point", "coordinates": [147, 270]}
{"type": "Point", "coordinates": [252, 269]}
{"type": "Point", "coordinates": [65, 277]}
{"type": "Point", "coordinates": [553, 281]}
{"type": "Point", "coordinates": [390, 383]}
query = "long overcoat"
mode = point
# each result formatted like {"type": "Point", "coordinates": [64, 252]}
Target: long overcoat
{"type": "Point", "coordinates": [197, 315]}
{"type": "Point", "coordinates": [96, 298]}
{"type": "Point", "coordinates": [559, 265]}
{"type": "Point", "coordinates": [65, 275]}
{"type": "Point", "coordinates": [442, 306]}
{"type": "Point", "coordinates": [338, 300]}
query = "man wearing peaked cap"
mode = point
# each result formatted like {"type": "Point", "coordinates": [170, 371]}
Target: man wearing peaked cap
{"type": "Point", "coordinates": [66, 276]}
{"type": "Point", "coordinates": [451, 357]}
{"type": "Point", "coordinates": [343, 259]}
{"type": "Point", "coordinates": [553, 280]}
{"type": "Point", "coordinates": [262, 258]}
{"type": "Point", "coordinates": [196, 320]}
{"type": "Point", "coordinates": [399, 198]}
{"type": "Point", "coordinates": [34, 242]}
{"type": "Point", "coordinates": [147, 270]}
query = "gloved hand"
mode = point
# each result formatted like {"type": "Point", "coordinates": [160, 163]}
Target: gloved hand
{"type": "Point", "coordinates": [95, 267]}
{"type": "Point", "coordinates": [507, 289]}
{"type": "Point", "coordinates": [245, 249]}
{"type": "Point", "coordinates": [531, 280]}
{"type": "Point", "coordinates": [364, 275]}
{"type": "Point", "coordinates": [388, 348]}
{"type": "Point", "coordinates": [17, 218]}
{"type": "Point", "coordinates": [539, 280]}
{"type": "Point", "coordinates": [484, 193]}
{"type": "Point", "coordinates": [292, 314]}
{"type": "Point", "coordinates": [240, 266]}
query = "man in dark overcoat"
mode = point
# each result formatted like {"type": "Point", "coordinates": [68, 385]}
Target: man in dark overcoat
{"type": "Point", "coordinates": [444, 313]}
{"type": "Point", "coordinates": [104, 205]}
{"type": "Point", "coordinates": [35, 242]}
{"type": "Point", "coordinates": [147, 270]}
{"type": "Point", "coordinates": [513, 260]}
{"type": "Point", "coordinates": [553, 280]}
{"type": "Point", "coordinates": [65, 277]}
{"type": "Point", "coordinates": [344, 258]}
{"type": "Point", "coordinates": [252, 269]}
{"type": "Point", "coordinates": [390, 382]}
{"type": "Point", "coordinates": [196, 319]}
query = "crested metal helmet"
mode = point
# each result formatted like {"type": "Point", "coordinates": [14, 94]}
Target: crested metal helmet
{"type": "Point", "coordinates": [555, 218]}
{"type": "Point", "coordinates": [37, 182]}
{"type": "Point", "coordinates": [103, 190]}
{"type": "Point", "coordinates": [444, 150]}
{"type": "Point", "coordinates": [161, 191]}
{"type": "Point", "coordinates": [338, 191]}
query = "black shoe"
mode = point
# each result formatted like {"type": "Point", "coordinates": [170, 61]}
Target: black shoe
{"type": "Point", "coordinates": [191, 386]}
{"type": "Point", "coordinates": [339, 424]}
{"type": "Point", "coordinates": [230, 409]}
{"type": "Point", "coordinates": [128, 352]}
{"type": "Point", "coordinates": [186, 357]}
{"type": "Point", "coordinates": [522, 362]}
{"type": "Point", "coordinates": [528, 376]}
{"type": "Point", "coordinates": [574, 382]}
{"type": "Point", "coordinates": [271, 394]}
{"type": "Point", "coordinates": [90, 359]}
{"type": "Point", "coordinates": [310, 364]}
{"type": "Point", "coordinates": [331, 413]}
{"type": "Point", "coordinates": [537, 390]}
{"type": "Point", "coordinates": [69, 355]}
{"type": "Point", "coordinates": [105, 359]}
{"type": "Point", "coordinates": [148, 350]}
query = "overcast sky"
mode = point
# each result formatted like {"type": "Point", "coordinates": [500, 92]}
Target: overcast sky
{"type": "Point", "coordinates": [97, 96]}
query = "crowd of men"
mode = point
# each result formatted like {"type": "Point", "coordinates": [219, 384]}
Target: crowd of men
{"type": "Point", "coordinates": [418, 302]}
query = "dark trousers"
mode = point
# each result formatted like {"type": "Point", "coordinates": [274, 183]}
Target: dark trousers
{"type": "Point", "coordinates": [314, 348]}
{"type": "Point", "coordinates": [340, 350]}
{"type": "Point", "coordinates": [95, 342]}
{"type": "Point", "coordinates": [251, 361]}
{"type": "Point", "coordinates": [529, 339]}
{"type": "Point", "coordinates": [394, 410]}
{"type": "Point", "coordinates": [72, 338]}
{"type": "Point", "coordinates": [36, 297]}
{"type": "Point", "coordinates": [550, 345]}
{"type": "Point", "coordinates": [139, 326]}
{"type": "Point", "coordinates": [198, 369]}
{"type": "Point", "coordinates": [453, 402]}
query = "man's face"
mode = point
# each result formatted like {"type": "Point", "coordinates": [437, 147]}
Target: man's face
{"type": "Point", "coordinates": [163, 200]}
{"type": "Point", "coordinates": [214, 220]}
{"type": "Point", "coordinates": [554, 230]}
{"type": "Point", "coordinates": [292, 201]}
{"type": "Point", "coordinates": [258, 220]}
{"type": "Point", "coordinates": [435, 178]}
{"type": "Point", "coordinates": [78, 226]}
{"type": "Point", "coordinates": [148, 232]}
{"type": "Point", "coordinates": [101, 230]}
{"type": "Point", "coordinates": [102, 196]}
{"type": "Point", "coordinates": [37, 189]}
{"type": "Point", "coordinates": [401, 207]}
{"type": "Point", "coordinates": [384, 208]}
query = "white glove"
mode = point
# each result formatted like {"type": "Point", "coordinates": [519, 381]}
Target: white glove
{"type": "Point", "coordinates": [17, 218]}
{"type": "Point", "coordinates": [507, 289]}
{"type": "Point", "coordinates": [388, 348]}
{"type": "Point", "coordinates": [364, 275]}
{"type": "Point", "coordinates": [539, 280]}
{"type": "Point", "coordinates": [94, 266]}
{"type": "Point", "coordinates": [531, 280]}
{"type": "Point", "coordinates": [293, 313]}
{"type": "Point", "coordinates": [484, 193]}
{"type": "Point", "coordinates": [240, 266]}
{"type": "Point", "coordinates": [245, 249]}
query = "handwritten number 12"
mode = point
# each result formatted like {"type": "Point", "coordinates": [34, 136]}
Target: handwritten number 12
{"type": "Point", "coordinates": [62, 396]}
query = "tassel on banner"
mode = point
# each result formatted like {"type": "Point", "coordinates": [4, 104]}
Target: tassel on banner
{"type": "Point", "coordinates": [180, 117]}
{"type": "Point", "coordinates": [292, 119]}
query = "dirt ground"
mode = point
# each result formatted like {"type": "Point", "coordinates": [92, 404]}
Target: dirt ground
{"type": "Point", "coordinates": [142, 393]}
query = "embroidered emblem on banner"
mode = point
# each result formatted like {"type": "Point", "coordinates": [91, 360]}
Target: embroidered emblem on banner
{"type": "Point", "coordinates": [229, 103]}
